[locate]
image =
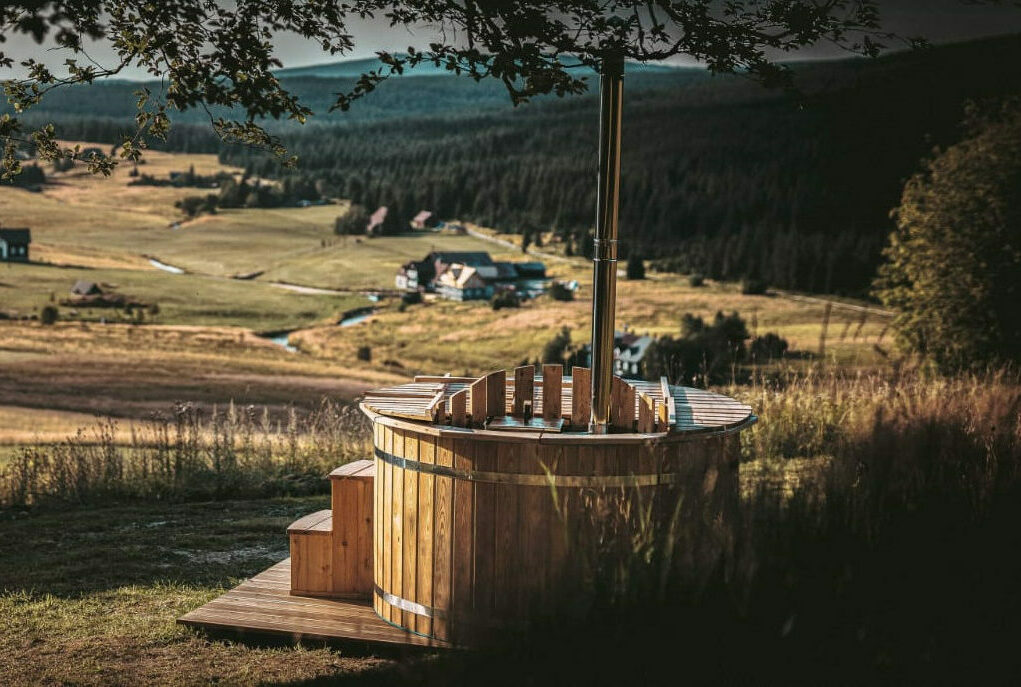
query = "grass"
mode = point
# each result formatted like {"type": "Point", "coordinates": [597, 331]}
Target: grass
{"type": "Point", "coordinates": [132, 371]}
{"type": "Point", "coordinates": [878, 544]}
{"type": "Point", "coordinates": [182, 299]}
{"type": "Point", "coordinates": [69, 616]}
{"type": "Point", "coordinates": [440, 336]}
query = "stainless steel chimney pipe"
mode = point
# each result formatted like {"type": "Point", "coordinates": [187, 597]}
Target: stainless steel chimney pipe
{"type": "Point", "coordinates": [604, 260]}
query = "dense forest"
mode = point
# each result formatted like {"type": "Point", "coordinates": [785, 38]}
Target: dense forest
{"type": "Point", "coordinates": [720, 176]}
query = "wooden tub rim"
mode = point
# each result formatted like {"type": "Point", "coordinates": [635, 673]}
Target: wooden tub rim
{"type": "Point", "coordinates": [562, 438]}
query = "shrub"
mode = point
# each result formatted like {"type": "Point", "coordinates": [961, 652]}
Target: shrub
{"type": "Point", "coordinates": [753, 287]}
{"type": "Point", "coordinates": [364, 353]}
{"type": "Point", "coordinates": [505, 299]}
{"type": "Point", "coordinates": [770, 346]}
{"type": "Point", "coordinates": [704, 353]}
{"type": "Point", "coordinates": [353, 222]}
{"type": "Point", "coordinates": [696, 280]}
{"type": "Point", "coordinates": [558, 291]}
{"type": "Point", "coordinates": [49, 314]}
{"type": "Point", "coordinates": [636, 268]}
{"type": "Point", "coordinates": [556, 348]}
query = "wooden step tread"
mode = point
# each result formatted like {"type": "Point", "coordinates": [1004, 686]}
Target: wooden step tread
{"type": "Point", "coordinates": [320, 522]}
{"type": "Point", "coordinates": [356, 468]}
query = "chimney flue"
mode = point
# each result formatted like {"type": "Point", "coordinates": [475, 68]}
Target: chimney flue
{"type": "Point", "coordinates": [604, 262]}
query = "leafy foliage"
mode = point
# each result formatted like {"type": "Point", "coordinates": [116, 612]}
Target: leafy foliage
{"type": "Point", "coordinates": [705, 353]}
{"type": "Point", "coordinates": [954, 261]}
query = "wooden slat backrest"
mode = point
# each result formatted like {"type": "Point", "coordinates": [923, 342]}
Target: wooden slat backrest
{"type": "Point", "coordinates": [524, 392]}
{"type": "Point", "coordinates": [459, 408]}
{"type": "Point", "coordinates": [479, 402]}
{"type": "Point", "coordinates": [552, 390]}
{"type": "Point", "coordinates": [496, 393]}
{"type": "Point", "coordinates": [646, 414]}
{"type": "Point", "coordinates": [581, 378]}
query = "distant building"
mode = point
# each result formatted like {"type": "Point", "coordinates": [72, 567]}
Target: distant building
{"type": "Point", "coordinates": [85, 288]}
{"type": "Point", "coordinates": [431, 274]}
{"type": "Point", "coordinates": [376, 220]}
{"type": "Point", "coordinates": [14, 244]}
{"type": "Point", "coordinates": [463, 283]}
{"type": "Point", "coordinates": [530, 270]}
{"type": "Point", "coordinates": [421, 220]}
{"type": "Point", "coordinates": [629, 351]}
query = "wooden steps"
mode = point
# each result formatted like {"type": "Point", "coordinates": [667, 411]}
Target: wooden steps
{"type": "Point", "coordinates": [332, 549]}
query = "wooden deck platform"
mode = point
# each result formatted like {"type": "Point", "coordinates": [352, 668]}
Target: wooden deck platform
{"type": "Point", "coordinates": [263, 605]}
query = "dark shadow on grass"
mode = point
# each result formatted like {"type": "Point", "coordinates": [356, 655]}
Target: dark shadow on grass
{"type": "Point", "coordinates": [72, 552]}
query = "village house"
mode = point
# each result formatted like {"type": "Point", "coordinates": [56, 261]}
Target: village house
{"type": "Point", "coordinates": [421, 220]}
{"type": "Point", "coordinates": [375, 225]}
{"type": "Point", "coordinates": [629, 351]}
{"type": "Point", "coordinates": [428, 275]}
{"type": "Point", "coordinates": [14, 244]}
{"type": "Point", "coordinates": [420, 275]}
{"type": "Point", "coordinates": [463, 283]}
{"type": "Point", "coordinates": [85, 288]}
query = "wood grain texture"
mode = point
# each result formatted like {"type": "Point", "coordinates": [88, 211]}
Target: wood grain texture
{"type": "Point", "coordinates": [552, 391]}
{"type": "Point", "coordinates": [264, 605]}
{"type": "Point", "coordinates": [581, 403]}
{"type": "Point", "coordinates": [524, 390]}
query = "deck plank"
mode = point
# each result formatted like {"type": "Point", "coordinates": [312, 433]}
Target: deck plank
{"type": "Point", "coordinates": [264, 604]}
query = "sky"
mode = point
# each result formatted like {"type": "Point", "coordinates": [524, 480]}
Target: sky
{"type": "Point", "coordinates": [939, 21]}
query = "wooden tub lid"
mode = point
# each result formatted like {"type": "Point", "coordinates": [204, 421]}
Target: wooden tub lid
{"type": "Point", "coordinates": [526, 401]}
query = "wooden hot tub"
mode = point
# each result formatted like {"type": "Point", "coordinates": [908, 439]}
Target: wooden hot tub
{"type": "Point", "coordinates": [482, 513]}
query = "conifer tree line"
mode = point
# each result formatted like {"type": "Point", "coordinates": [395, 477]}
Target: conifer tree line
{"type": "Point", "coordinates": [721, 178]}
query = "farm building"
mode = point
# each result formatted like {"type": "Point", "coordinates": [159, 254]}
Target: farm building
{"type": "Point", "coordinates": [629, 350]}
{"type": "Point", "coordinates": [428, 273]}
{"type": "Point", "coordinates": [376, 220]}
{"type": "Point", "coordinates": [422, 220]}
{"type": "Point", "coordinates": [463, 283]}
{"type": "Point", "coordinates": [85, 288]}
{"type": "Point", "coordinates": [421, 274]}
{"type": "Point", "coordinates": [14, 244]}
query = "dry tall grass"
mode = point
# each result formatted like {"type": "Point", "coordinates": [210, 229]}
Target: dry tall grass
{"type": "Point", "coordinates": [189, 454]}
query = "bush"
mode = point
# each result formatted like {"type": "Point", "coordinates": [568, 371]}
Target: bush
{"type": "Point", "coordinates": [49, 314]}
{"type": "Point", "coordinates": [636, 268]}
{"type": "Point", "coordinates": [558, 291]}
{"type": "Point", "coordinates": [556, 348]}
{"type": "Point", "coordinates": [353, 222]}
{"type": "Point", "coordinates": [696, 280]}
{"type": "Point", "coordinates": [753, 287]}
{"type": "Point", "coordinates": [505, 299]}
{"type": "Point", "coordinates": [704, 353]}
{"type": "Point", "coordinates": [364, 353]}
{"type": "Point", "coordinates": [770, 346]}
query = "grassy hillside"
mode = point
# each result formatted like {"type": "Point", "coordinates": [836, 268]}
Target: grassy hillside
{"type": "Point", "coordinates": [202, 344]}
{"type": "Point", "coordinates": [720, 175]}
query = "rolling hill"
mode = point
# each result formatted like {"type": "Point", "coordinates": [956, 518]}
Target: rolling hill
{"type": "Point", "coordinates": [720, 175]}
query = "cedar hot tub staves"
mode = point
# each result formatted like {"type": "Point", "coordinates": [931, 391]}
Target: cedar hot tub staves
{"type": "Point", "coordinates": [472, 493]}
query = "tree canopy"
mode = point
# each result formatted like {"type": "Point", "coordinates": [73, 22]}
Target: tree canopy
{"type": "Point", "coordinates": [220, 54]}
{"type": "Point", "coordinates": [954, 260]}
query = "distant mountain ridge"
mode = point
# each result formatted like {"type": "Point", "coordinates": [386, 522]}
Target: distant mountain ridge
{"type": "Point", "coordinates": [353, 68]}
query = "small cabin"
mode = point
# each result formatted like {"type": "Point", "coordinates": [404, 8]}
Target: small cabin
{"type": "Point", "coordinates": [375, 225]}
{"type": "Point", "coordinates": [463, 283]}
{"type": "Point", "coordinates": [14, 244]}
{"type": "Point", "coordinates": [85, 288]}
{"type": "Point", "coordinates": [422, 220]}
